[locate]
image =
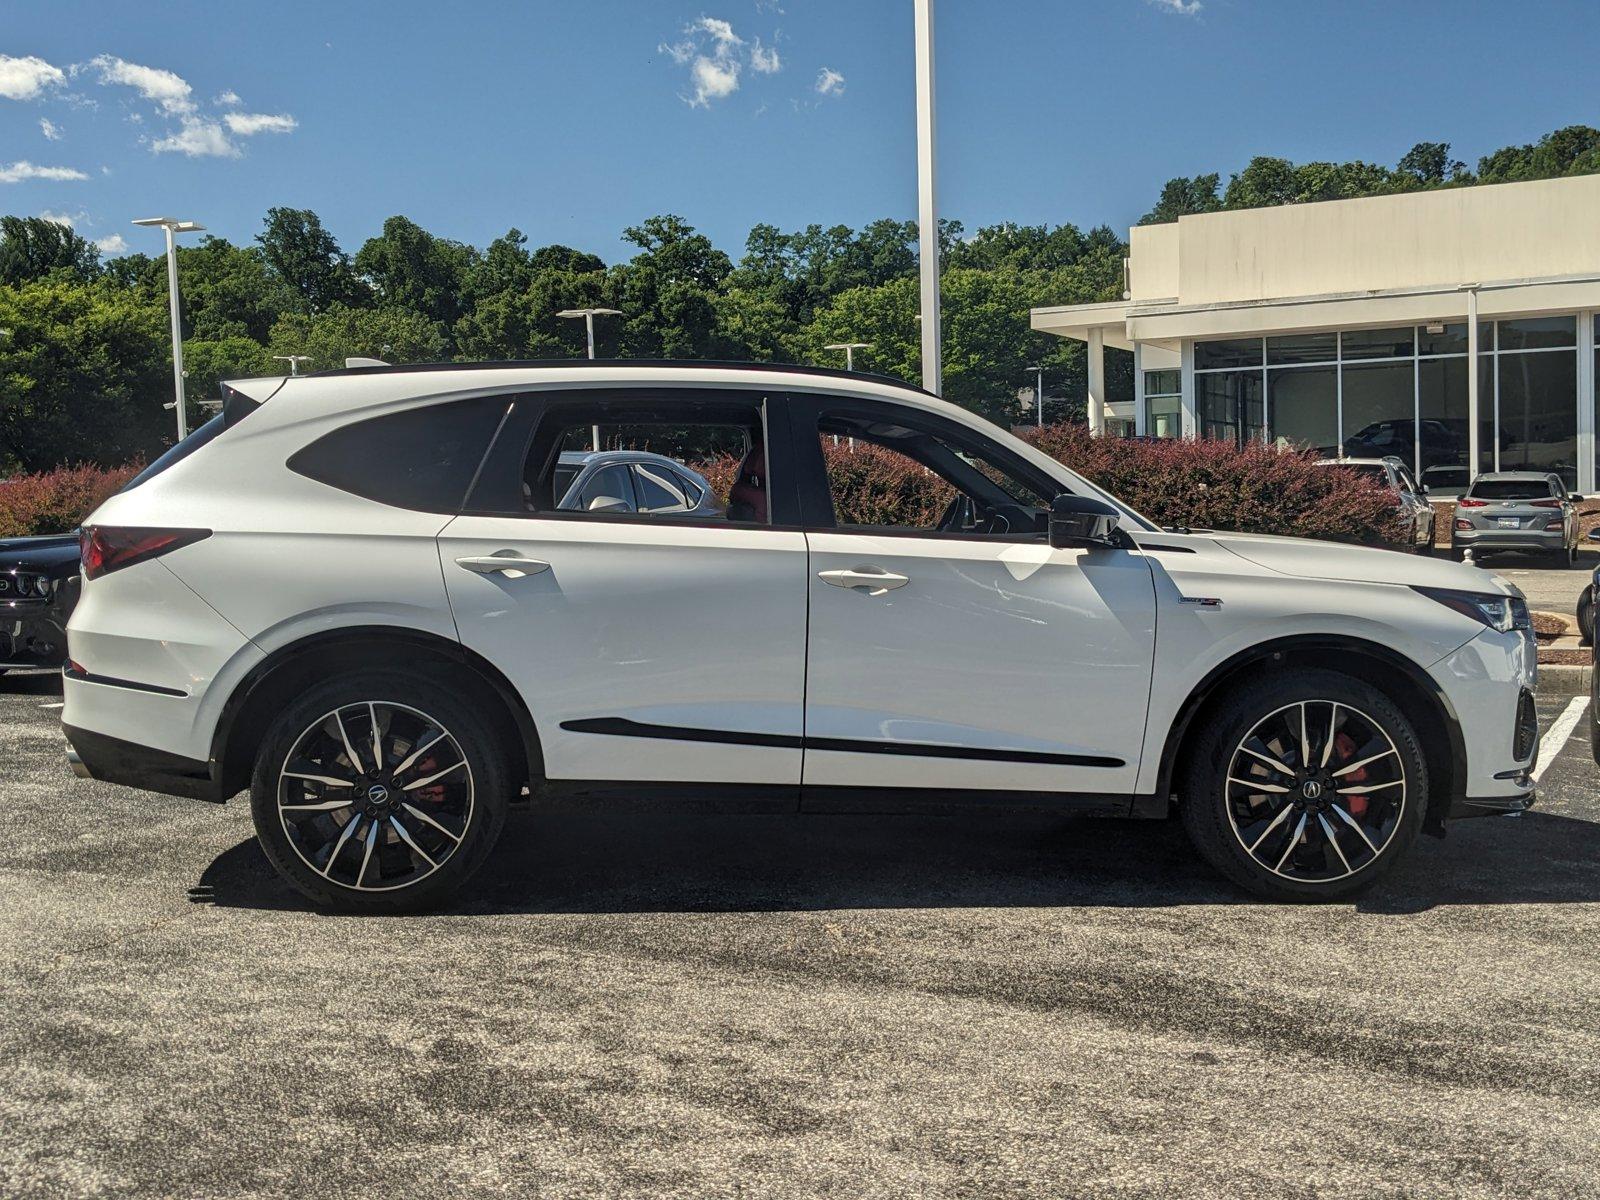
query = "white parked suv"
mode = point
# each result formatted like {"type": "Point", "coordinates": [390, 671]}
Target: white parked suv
{"type": "Point", "coordinates": [356, 595]}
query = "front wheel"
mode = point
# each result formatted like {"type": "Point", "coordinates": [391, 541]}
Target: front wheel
{"type": "Point", "coordinates": [1305, 787]}
{"type": "Point", "coordinates": [379, 791]}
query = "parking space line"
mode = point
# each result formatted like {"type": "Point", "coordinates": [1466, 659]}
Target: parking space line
{"type": "Point", "coordinates": [1556, 737]}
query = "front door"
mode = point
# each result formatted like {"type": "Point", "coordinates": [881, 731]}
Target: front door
{"type": "Point", "coordinates": [649, 647]}
{"type": "Point", "coordinates": [950, 646]}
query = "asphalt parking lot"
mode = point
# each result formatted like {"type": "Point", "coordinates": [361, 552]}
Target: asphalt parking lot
{"type": "Point", "coordinates": [765, 1006]}
{"type": "Point", "coordinates": [1549, 589]}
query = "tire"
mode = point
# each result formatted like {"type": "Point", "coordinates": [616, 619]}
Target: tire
{"type": "Point", "coordinates": [421, 825]}
{"type": "Point", "coordinates": [1331, 859]}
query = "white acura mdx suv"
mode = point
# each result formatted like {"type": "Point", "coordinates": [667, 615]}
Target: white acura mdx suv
{"type": "Point", "coordinates": [355, 595]}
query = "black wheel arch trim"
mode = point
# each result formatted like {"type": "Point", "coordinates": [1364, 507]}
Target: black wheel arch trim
{"type": "Point", "coordinates": [1443, 793]}
{"type": "Point", "coordinates": [232, 776]}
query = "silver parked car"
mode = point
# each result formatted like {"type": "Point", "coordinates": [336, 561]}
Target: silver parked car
{"type": "Point", "coordinates": [1410, 497]}
{"type": "Point", "coordinates": [631, 481]}
{"type": "Point", "coordinates": [1521, 511]}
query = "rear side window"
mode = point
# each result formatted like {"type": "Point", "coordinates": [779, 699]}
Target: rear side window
{"type": "Point", "coordinates": [423, 458]}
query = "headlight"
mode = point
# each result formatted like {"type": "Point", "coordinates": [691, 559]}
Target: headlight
{"type": "Point", "coordinates": [41, 585]}
{"type": "Point", "coordinates": [1503, 613]}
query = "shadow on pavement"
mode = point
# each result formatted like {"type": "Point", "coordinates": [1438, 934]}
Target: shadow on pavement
{"type": "Point", "coordinates": [30, 683]}
{"type": "Point", "coordinates": [550, 863]}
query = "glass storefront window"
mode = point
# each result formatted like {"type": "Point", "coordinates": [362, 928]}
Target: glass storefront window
{"type": "Point", "coordinates": [1163, 404]}
{"type": "Point", "coordinates": [1228, 405]}
{"type": "Point", "coordinates": [1377, 343]}
{"type": "Point", "coordinates": [1380, 411]}
{"type": "Point", "coordinates": [1538, 333]}
{"type": "Point", "coordinates": [1245, 352]}
{"type": "Point", "coordinates": [1303, 408]}
{"type": "Point", "coordinates": [1302, 348]}
{"type": "Point", "coordinates": [1452, 338]}
{"type": "Point", "coordinates": [1538, 416]}
{"type": "Point", "coordinates": [1442, 423]}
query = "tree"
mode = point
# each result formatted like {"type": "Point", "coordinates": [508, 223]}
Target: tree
{"type": "Point", "coordinates": [392, 334]}
{"type": "Point", "coordinates": [668, 289]}
{"type": "Point", "coordinates": [1183, 197]}
{"type": "Point", "coordinates": [1429, 164]}
{"type": "Point", "coordinates": [83, 374]}
{"type": "Point", "coordinates": [305, 256]}
{"type": "Point", "coordinates": [33, 247]}
{"type": "Point", "coordinates": [1574, 150]}
{"type": "Point", "coordinates": [407, 267]}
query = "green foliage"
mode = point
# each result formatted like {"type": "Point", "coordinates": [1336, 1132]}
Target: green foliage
{"type": "Point", "coordinates": [408, 268]}
{"type": "Point", "coordinates": [83, 372]}
{"type": "Point", "coordinates": [392, 334]}
{"type": "Point", "coordinates": [33, 247]}
{"type": "Point", "coordinates": [308, 260]}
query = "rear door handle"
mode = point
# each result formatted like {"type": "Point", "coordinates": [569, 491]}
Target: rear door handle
{"type": "Point", "coordinates": [876, 580]}
{"type": "Point", "coordinates": [503, 562]}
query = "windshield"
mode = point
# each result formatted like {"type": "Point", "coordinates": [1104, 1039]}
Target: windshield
{"type": "Point", "coordinates": [1512, 489]}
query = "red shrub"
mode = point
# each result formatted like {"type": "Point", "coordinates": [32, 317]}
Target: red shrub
{"type": "Point", "coordinates": [57, 501]}
{"type": "Point", "coordinates": [1211, 484]}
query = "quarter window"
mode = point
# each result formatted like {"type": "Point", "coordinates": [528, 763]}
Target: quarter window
{"type": "Point", "coordinates": [423, 458]}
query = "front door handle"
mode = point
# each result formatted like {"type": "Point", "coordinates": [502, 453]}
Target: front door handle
{"type": "Point", "coordinates": [504, 562]}
{"type": "Point", "coordinates": [876, 580]}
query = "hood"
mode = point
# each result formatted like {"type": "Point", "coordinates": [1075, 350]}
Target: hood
{"type": "Point", "coordinates": [51, 550]}
{"type": "Point", "coordinates": [1362, 564]}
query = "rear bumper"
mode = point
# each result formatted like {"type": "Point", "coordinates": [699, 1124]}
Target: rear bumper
{"type": "Point", "coordinates": [1512, 539]}
{"type": "Point", "coordinates": [112, 760]}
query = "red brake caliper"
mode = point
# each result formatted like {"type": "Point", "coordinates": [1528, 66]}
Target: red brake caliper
{"type": "Point", "coordinates": [1346, 746]}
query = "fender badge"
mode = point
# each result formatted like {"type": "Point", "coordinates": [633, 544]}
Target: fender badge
{"type": "Point", "coordinates": [1202, 601]}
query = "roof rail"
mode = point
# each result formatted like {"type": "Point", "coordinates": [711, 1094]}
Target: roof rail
{"type": "Point", "coordinates": [583, 364]}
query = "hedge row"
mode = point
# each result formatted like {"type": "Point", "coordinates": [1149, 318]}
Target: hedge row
{"type": "Point", "coordinates": [56, 501]}
{"type": "Point", "coordinates": [1202, 484]}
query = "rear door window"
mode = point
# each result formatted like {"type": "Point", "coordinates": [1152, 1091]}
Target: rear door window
{"type": "Point", "coordinates": [422, 459]}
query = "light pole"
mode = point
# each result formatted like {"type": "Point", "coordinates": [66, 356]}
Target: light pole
{"type": "Point", "coordinates": [849, 349]}
{"type": "Point", "coordinates": [294, 361]}
{"type": "Point", "coordinates": [173, 226]}
{"type": "Point", "coordinates": [1038, 375]}
{"type": "Point", "coordinates": [927, 208]}
{"type": "Point", "coordinates": [588, 315]}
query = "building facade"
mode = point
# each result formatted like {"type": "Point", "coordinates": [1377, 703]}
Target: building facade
{"type": "Point", "coordinates": [1457, 329]}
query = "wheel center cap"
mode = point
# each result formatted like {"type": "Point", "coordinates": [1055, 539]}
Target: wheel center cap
{"type": "Point", "coordinates": [378, 795]}
{"type": "Point", "coordinates": [1311, 789]}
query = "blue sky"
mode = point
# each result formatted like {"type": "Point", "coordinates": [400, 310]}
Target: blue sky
{"type": "Point", "coordinates": [572, 120]}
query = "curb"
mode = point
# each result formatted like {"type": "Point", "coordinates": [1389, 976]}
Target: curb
{"type": "Point", "coordinates": [1561, 679]}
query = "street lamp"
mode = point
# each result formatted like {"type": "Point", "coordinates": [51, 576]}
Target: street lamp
{"type": "Point", "coordinates": [173, 226]}
{"type": "Point", "coordinates": [588, 315]}
{"type": "Point", "coordinates": [1038, 373]}
{"type": "Point", "coordinates": [849, 349]}
{"type": "Point", "coordinates": [294, 361]}
{"type": "Point", "coordinates": [927, 206]}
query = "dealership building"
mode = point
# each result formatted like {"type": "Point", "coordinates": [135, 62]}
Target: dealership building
{"type": "Point", "coordinates": [1451, 328]}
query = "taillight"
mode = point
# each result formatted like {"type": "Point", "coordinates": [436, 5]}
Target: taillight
{"type": "Point", "coordinates": [1469, 502]}
{"type": "Point", "coordinates": [107, 548]}
{"type": "Point", "coordinates": [1544, 503]}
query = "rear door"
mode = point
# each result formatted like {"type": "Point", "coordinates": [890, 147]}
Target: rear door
{"type": "Point", "coordinates": [950, 646]}
{"type": "Point", "coordinates": [648, 646]}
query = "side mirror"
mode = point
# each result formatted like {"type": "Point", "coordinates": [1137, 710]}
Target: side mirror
{"type": "Point", "coordinates": [1422, 489]}
{"type": "Point", "coordinates": [609, 504]}
{"type": "Point", "coordinates": [1078, 521]}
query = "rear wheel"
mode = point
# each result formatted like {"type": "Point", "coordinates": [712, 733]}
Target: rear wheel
{"type": "Point", "coordinates": [379, 791]}
{"type": "Point", "coordinates": [1305, 787]}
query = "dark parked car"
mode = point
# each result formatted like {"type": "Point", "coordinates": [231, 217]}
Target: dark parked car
{"type": "Point", "coordinates": [38, 587]}
{"type": "Point", "coordinates": [1586, 600]}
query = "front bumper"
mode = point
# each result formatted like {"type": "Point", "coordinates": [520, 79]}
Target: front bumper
{"type": "Point", "coordinates": [1489, 686]}
{"type": "Point", "coordinates": [112, 760]}
{"type": "Point", "coordinates": [32, 635]}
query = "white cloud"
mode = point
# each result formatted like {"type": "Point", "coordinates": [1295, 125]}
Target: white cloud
{"type": "Point", "coordinates": [197, 139]}
{"type": "Point", "coordinates": [228, 99]}
{"type": "Point", "coordinates": [719, 31]}
{"type": "Point", "coordinates": [829, 82]}
{"type": "Point", "coordinates": [70, 220]}
{"type": "Point", "coordinates": [112, 243]}
{"type": "Point", "coordinates": [712, 79]}
{"type": "Point", "coordinates": [25, 78]}
{"type": "Point", "coordinates": [19, 171]}
{"type": "Point", "coordinates": [764, 59]}
{"type": "Point", "coordinates": [1183, 8]}
{"type": "Point", "coordinates": [171, 91]}
{"type": "Point", "coordinates": [250, 124]}
{"type": "Point", "coordinates": [50, 129]}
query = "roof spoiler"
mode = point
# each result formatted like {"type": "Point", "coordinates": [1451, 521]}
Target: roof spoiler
{"type": "Point", "coordinates": [364, 362]}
